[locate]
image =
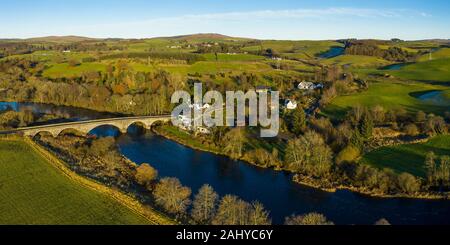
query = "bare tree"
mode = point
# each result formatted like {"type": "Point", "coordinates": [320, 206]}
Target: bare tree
{"type": "Point", "coordinates": [146, 174]}
{"type": "Point", "coordinates": [308, 219]}
{"type": "Point", "coordinates": [172, 196]}
{"type": "Point", "coordinates": [204, 205]}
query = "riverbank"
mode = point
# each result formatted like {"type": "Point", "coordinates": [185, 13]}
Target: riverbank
{"type": "Point", "coordinates": [126, 202]}
{"type": "Point", "coordinates": [323, 185]}
{"type": "Point", "coordinates": [186, 139]}
{"type": "Point", "coordinates": [333, 187]}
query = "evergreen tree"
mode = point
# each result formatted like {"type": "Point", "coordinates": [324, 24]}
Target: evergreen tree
{"type": "Point", "coordinates": [298, 123]}
{"type": "Point", "coordinates": [367, 127]}
{"type": "Point", "coordinates": [431, 167]}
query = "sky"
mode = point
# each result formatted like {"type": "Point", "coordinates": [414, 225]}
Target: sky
{"type": "Point", "coordinates": [274, 19]}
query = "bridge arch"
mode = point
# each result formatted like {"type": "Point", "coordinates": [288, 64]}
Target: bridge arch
{"type": "Point", "coordinates": [71, 131]}
{"type": "Point", "coordinates": [107, 129]}
{"type": "Point", "coordinates": [41, 133]}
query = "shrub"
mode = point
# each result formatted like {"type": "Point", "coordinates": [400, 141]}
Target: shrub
{"type": "Point", "coordinates": [348, 154]}
{"type": "Point", "coordinates": [308, 219]}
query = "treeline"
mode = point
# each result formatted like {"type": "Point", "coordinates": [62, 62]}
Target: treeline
{"type": "Point", "coordinates": [205, 48]}
{"type": "Point", "coordinates": [16, 48]}
{"type": "Point", "coordinates": [188, 57]}
{"type": "Point", "coordinates": [119, 89]}
{"type": "Point", "coordinates": [371, 49]}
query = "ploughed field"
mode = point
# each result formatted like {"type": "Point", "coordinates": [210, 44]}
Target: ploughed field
{"type": "Point", "coordinates": [32, 191]}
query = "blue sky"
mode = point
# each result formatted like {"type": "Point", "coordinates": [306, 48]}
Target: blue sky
{"type": "Point", "coordinates": [275, 19]}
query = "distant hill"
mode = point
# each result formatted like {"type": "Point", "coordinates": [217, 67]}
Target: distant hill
{"type": "Point", "coordinates": [68, 39]}
{"type": "Point", "coordinates": [206, 36]}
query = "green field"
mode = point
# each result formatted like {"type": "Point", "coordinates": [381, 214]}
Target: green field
{"type": "Point", "coordinates": [390, 95]}
{"type": "Point", "coordinates": [294, 49]}
{"type": "Point", "coordinates": [32, 191]}
{"type": "Point", "coordinates": [356, 61]}
{"type": "Point", "coordinates": [407, 158]}
{"type": "Point", "coordinates": [232, 57]}
{"type": "Point", "coordinates": [434, 70]}
{"type": "Point", "coordinates": [65, 70]}
{"type": "Point", "coordinates": [439, 54]}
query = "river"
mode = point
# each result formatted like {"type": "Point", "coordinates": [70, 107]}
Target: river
{"type": "Point", "coordinates": [274, 189]}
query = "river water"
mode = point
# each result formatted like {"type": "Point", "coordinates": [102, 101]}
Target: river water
{"type": "Point", "coordinates": [274, 189]}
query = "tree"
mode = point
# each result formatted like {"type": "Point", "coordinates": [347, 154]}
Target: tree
{"type": "Point", "coordinates": [435, 125]}
{"type": "Point", "coordinates": [172, 196]}
{"type": "Point", "coordinates": [309, 154]}
{"type": "Point", "coordinates": [298, 123]}
{"type": "Point", "coordinates": [204, 205]}
{"type": "Point", "coordinates": [444, 171]}
{"type": "Point", "coordinates": [378, 114]}
{"type": "Point", "coordinates": [308, 219]}
{"type": "Point", "coordinates": [145, 174]}
{"type": "Point", "coordinates": [102, 146]}
{"type": "Point", "coordinates": [411, 129]}
{"type": "Point", "coordinates": [431, 167]}
{"type": "Point", "coordinates": [258, 215]}
{"type": "Point", "coordinates": [234, 142]}
{"type": "Point", "coordinates": [367, 127]}
{"type": "Point", "coordinates": [229, 211]}
{"type": "Point", "coordinates": [421, 116]}
{"type": "Point", "coordinates": [382, 221]}
{"type": "Point", "coordinates": [348, 154]}
{"type": "Point", "coordinates": [408, 183]}
{"type": "Point", "coordinates": [234, 211]}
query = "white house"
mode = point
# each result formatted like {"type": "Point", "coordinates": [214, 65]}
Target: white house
{"type": "Point", "coordinates": [290, 105]}
{"type": "Point", "coordinates": [203, 130]}
{"type": "Point", "coordinates": [66, 51]}
{"type": "Point", "coordinates": [306, 85]}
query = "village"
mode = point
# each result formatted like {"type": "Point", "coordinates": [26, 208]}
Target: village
{"type": "Point", "coordinates": [287, 104]}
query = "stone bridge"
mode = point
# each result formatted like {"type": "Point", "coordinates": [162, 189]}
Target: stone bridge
{"type": "Point", "coordinates": [86, 126]}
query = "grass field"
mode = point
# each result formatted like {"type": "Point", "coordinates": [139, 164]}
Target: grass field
{"type": "Point", "coordinates": [390, 95]}
{"type": "Point", "coordinates": [209, 67]}
{"type": "Point", "coordinates": [64, 70]}
{"type": "Point", "coordinates": [407, 158]}
{"type": "Point", "coordinates": [434, 70]}
{"type": "Point", "coordinates": [439, 54]}
{"type": "Point", "coordinates": [32, 191]}
{"type": "Point", "coordinates": [356, 61]}
{"type": "Point", "coordinates": [233, 57]}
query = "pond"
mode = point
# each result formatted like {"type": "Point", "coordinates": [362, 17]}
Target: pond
{"type": "Point", "coordinates": [394, 67]}
{"type": "Point", "coordinates": [332, 52]}
{"type": "Point", "coordinates": [435, 97]}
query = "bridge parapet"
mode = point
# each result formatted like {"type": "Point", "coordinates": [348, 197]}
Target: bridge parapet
{"type": "Point", "coordinates": [86, 126]}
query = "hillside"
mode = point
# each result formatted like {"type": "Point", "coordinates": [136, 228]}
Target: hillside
{"type": "Point", "coordinates": [67, 39]}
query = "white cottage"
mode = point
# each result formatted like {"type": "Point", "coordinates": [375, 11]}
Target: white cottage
{"type": "Point", "coordinates": [290, 105]}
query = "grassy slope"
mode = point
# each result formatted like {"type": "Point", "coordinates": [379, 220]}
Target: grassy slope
{"type": "Point", "coordinates": [357, 61]}
{"type": "Point", "coordinates": [34, 192]}
{"type": "Point", "coordinates": [64, 70]}
{"type": "Point", "coordinates": [408, 158]}
{"type": "Point", "coordinates": [439, 54]}
{"type": "Point", "coordinates": [390, 95]}
{"type": "Point", "coordinates": [232, 57]}
{"type": "Point", "coordinates": [434, 70]}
